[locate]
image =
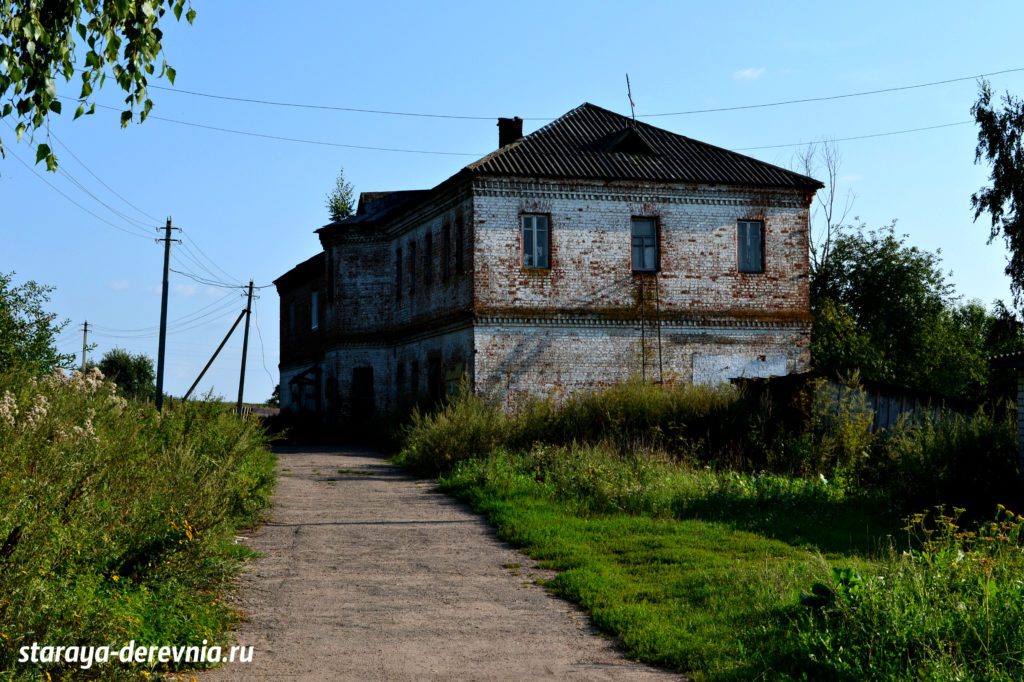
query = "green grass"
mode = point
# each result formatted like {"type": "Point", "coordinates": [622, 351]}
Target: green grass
{"type": "Point", "coordinates": [695, 595]}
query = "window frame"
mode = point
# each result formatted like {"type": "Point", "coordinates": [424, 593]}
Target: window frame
{"type": "Point", "coordinates": [656, 266]}
{"type": "Point", "coordinates": [533, 238]}
{"type": "Point", "coordinates": [314, 310]}
{"type": "Point", "coordinates": [740, 248]}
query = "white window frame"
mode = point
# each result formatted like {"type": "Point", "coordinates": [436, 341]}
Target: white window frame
{"type": "Point", "coordinates": [535, 234]}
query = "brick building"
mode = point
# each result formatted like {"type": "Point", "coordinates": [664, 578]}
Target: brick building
{"type": "Point", "coordinates": [593, 250]}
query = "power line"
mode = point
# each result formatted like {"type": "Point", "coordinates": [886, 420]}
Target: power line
{"type": "Point", "coordinates": [197, 278]}
{"type": "Point", "coordinates": [385, 112]}
{"type": "Point", "coordinates": [131, 221]}
{"type": "Point", "coordinates": [259, 335]}
{"type": "Point", "coordinates": [282, 138]}
{"type": "Point", "coordinates": [185, 253]}
{"type": "Point", "coordinates": [858, 137]}
{"type": "Point", "coordinates": [181, 320]}
{"type": "Point", "coordinates": [204, 255]}
{"type": "Point", "coordinates": [100, 180]}
{"type": "Point", "coordinates": [58, 191]}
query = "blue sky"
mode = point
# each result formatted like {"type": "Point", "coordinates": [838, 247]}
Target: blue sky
{"type": "Point", "coordinates": [250, 204]}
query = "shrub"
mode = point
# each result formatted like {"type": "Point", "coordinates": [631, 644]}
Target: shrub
{"type": "Point", "coordinates": [117, 522]}
{"type": "Point", "coordinates": [466, 426]}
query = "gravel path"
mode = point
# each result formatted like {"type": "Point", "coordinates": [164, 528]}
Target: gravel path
{"type": "Point", "coordinates": [368, 574]}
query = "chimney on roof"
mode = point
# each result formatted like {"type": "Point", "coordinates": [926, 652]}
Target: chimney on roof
{"type": "Point", "coordinates": [509, 130]}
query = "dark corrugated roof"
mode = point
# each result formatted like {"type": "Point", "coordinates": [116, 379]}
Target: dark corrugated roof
{"type": "Point", "coordinates": [309, 269]}
{"type": "Point", "coordinates": [375, 206]}
{"type": "Point", "coordinates": [591, 142]}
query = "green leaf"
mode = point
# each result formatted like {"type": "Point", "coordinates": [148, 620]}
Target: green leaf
{"type": "Point", "coordinates": [55, 106]}
{"type": "Point", "coordinates": [178, 6]}
{"type": "Point", "coordinates": [190, 15]}
{"type": "Point", "coordinates": [42, 151]}
{"type": "Point", "coordinates": [80, 110]}
{"type": "Point", "coordinates": [51, 162]}
{"type": "Point", "coordinates": [171, 73]}
{"type": "Point", "coordinates": [126, 118]}
{"type": "Point", "coordinates": [19, 130]}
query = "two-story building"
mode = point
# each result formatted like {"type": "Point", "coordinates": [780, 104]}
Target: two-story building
{"type": "Point", "coordinates": [593, 250]}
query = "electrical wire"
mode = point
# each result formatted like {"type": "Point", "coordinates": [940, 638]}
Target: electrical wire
{"type": "Point", "coordinates": [858, 137]}
{"type": "Point", "coordinates": [259, 335]}
{"type": "Point", "coordinates": [181, 320]}
{"type": "Point", "coordinates": [211, 283]}
{"type": "Point", "coordinates": [98, 179]}
{"type": "Point", "coordinates": [385, 112]}
{"type": "Point", "coordinates": [58, 191]}
{"type": "Point", "coordinates": [203, 253]}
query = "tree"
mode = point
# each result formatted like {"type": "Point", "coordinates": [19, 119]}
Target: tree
{"type": "Point", "coordinates": [1000, 145]}
{"type": "Point", "coordinates": [27, 332]}
{"type": "Point", "coordinates": [886, 311]}
{"type": "Point", "coordinates": [39, 43]}
{"type": "Point", "coordinates": [892, 294]}
{"type": "Point", "coordinates": [831, 206]}
{"type": "Point", "coordinates": [133, 374]}
{"type": "Point", "coordinates": [340, 199]}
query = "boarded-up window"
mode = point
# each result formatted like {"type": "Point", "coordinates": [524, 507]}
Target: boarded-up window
{"type": "Point", "coordinates": [412, 268]}
{"type": "Point", "coordinates": [428, 260]}
{"type": "Point", "coordinates": [398, 274]}
{"type": "Point", "coordinates": [644, 232]}
{"type": "Point", "coordinates": [446, 252]}
{"type": "Point", "coordinates": [460, 246]}
{"type": "Point", "coordinates": [750, 245]}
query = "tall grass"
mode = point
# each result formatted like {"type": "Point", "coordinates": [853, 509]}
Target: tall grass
{"type": "Point", "coordinates": [646, 497]}
{"type": "Point", "coordinates": [116, 522]}
{"type": "Point", "coordinates": [951, 609]}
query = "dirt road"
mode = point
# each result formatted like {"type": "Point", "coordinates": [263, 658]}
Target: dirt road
{"type": "Point", "coordinates": [367, 574]}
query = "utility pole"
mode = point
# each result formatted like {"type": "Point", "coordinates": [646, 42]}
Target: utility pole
{"type": "Point", "coordinates": [85, 342]}
{"type": "Point", "coordinates": [163, 316]}
{"type": "Point", "coordinates": [245, 347]}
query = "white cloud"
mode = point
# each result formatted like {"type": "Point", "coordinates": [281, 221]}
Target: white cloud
{"type": "Point", "coordinates": [749, 74]}
{"type": "Point", "coordinates": [185, 289]}
{"type": "Point", "coordinates": [118, 284]}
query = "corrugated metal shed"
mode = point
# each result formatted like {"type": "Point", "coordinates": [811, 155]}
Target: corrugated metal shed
{"type": "Point", "coordinates": [591, 142]}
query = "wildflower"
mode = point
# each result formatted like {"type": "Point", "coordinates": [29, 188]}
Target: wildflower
{"type": "Point", "coordinates": [8, 409]}
{"type": "Point", "coordinates": [38, 411]}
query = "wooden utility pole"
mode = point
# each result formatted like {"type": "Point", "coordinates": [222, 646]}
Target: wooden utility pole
{"type": "Point", "coordinates": [163, 316]}
{"type": "Point", "coordinates": [245, 347]}
{"type": "Point", "coordinates": [85, 342]}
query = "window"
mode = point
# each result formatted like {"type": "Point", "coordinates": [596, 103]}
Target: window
{"type": "Point", "coordinates": [644, 232]}
{"type": "Point", "coordinates": [460, 238]}
{"type": "Point", "coordinates": [314, 310]}
{"type": "Point", "coordinates": [535, 241]}
{"type": "Point", "coordinates": [428, 263]}
{"type": "Point", "coordinates": [412, 268]}
{"type": "Point", "coordinates": [398, 274]}
{"type": "Point", "coordinates": [750, 245]}
{"type": "Point", "coordinates": [446, 252]}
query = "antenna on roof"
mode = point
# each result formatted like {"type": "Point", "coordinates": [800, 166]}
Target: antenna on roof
{"type": "Point", "coordinates": [629, 93]}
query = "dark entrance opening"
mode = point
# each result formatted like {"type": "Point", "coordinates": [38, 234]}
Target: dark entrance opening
{"type": "Point", "coordinates": [362, 392]}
